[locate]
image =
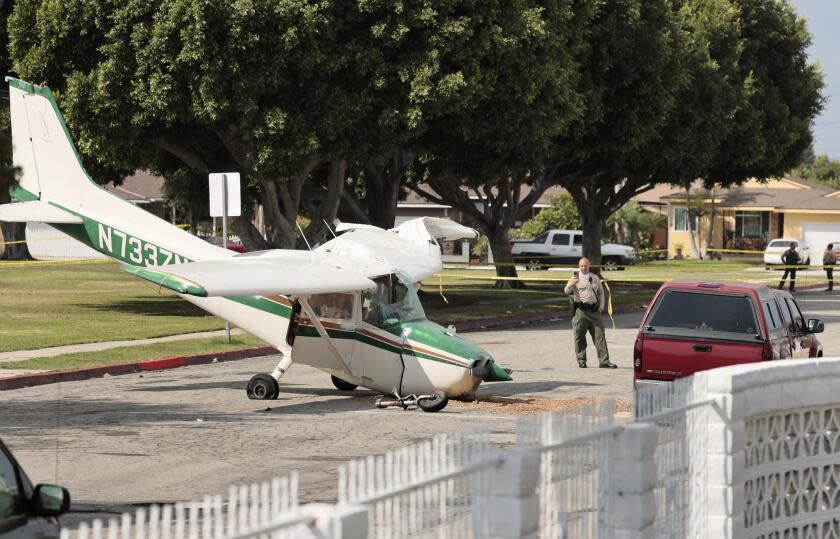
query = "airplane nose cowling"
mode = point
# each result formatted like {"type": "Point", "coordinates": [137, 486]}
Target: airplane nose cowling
{"type": "Point", "coordinates": [487, 370]}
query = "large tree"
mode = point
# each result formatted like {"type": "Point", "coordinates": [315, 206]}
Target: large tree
{"type": "Point", "coordinates": [293, 94]}
{"type": "Point", "coordinates": [719, 90]}
{"type": "Point", "coordinates": [479, 157]}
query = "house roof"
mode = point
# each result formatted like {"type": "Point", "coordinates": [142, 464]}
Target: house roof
{"type": "Point", "coordinates": [787, 193]}
{"type": "Point", "coordinates": [141, 187]}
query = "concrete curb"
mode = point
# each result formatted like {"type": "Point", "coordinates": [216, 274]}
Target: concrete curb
{"type": "Point", "coordinates": [29, 380]}
{"type": "Point", "coordinates": [518, 319]}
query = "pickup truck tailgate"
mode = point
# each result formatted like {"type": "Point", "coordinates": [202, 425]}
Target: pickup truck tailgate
{"type": "Point", "coordinates": [669, 357]}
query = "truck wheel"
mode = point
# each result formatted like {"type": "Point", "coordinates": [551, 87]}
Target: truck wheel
{"type": "Point", "coordinates": [533, 265]}
{"type": "Point", "coordinates": [611, 263]}
{"type": "Point", "coordinates": [341, 384]}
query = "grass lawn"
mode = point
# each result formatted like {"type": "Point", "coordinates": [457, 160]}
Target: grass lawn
{"type": "Point", "coordinates": [136, 353]}
{"type": "Point", "coordinates": [51, 305]}
{"type": "Point", "coordinates": [54, 305]}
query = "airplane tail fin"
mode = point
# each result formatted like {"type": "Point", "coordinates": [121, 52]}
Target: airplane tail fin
{"type": "Point", "coordinates": [50, 168]}
{"type": "Point", "coordinates": [55, 188]}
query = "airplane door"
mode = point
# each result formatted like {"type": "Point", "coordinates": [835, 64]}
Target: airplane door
{"type": "Point", "coordinates": [336, 315]}
{"type": "Point", "coordinates": [380, 344]}
{"type": "Point", "coordinates": [382, 365]}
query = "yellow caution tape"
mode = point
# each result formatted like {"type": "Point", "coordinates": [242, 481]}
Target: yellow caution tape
{"type": "Point", "coordinates": [54, 238]}
{"type": "Point", "coordinates": [440, 288]}
{"type": "Point", "coordinates": [39, 263]}
{"type": "Point", "coordinates": [609, 304]}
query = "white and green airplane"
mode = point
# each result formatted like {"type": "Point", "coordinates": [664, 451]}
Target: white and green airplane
{"type": "Point", "coordinates": [349, 307]}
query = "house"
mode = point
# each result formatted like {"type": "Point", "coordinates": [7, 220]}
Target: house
{"type": "Point", "coordinates": [142, 189]}
{"type": "Point", "coordinates": [747, 217]}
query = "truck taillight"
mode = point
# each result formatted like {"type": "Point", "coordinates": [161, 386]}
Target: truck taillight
{"type": "Point", "coordinates": [767, 352]}
{"type": "Point", "coordinates": [637, 353]}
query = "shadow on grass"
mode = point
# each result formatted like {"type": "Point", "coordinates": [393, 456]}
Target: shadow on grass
{"type": "Point", "coordinates": [150, 307]}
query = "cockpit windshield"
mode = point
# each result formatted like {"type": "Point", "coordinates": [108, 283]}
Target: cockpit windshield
{"type": "Point", "coordinates": [393, 300]}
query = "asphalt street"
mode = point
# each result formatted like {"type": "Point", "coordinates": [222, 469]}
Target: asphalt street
{"type": "Point", "coordinates": [177, 435]}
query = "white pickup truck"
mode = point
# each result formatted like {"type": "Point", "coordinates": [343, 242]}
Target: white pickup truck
{"type": "Point", "coordinates": [566, 247]}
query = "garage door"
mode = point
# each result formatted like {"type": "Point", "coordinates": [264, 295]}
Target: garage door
{"type": "Point", "coordinates": [817, 235]}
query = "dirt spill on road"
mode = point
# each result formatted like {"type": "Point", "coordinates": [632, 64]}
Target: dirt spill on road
{"type": "Point", "coordinates": [535, 406]}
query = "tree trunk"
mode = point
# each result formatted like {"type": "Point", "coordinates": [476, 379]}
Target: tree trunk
{"type": "Point", "coordinates": [251, 238]}
{"type": "Point", "coordinates": [710, 235]}
{"type": "Point", "coordinates": [327, 209]}
{"type": "Point", "coordinates": [11, 232]}
{"type": "Point", "coordinates": [593, 225]}
{"type": "Point", "coordinates": [500, 247]}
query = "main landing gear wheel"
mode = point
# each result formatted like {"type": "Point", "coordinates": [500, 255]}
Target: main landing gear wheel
{"type": "Point", "coordinates": [342, 385]}
{"type": "Point", "coordinates": [436, 402]}
{"type": "Point", "coordinates": [263, 387]}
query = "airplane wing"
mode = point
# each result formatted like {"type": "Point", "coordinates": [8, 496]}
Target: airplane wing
{"type": "Point", "coordinates": [283, 272]}
{"type": "Point", "coordinates": [409, 248]}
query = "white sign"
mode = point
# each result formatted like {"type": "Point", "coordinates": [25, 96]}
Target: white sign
{"type": "Point", "coordinates": [218, 194]}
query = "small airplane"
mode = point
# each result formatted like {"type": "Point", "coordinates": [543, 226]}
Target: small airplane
{"type": "Point", "coordinates": [349, 307]}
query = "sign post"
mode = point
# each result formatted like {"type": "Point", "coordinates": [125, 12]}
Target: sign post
{"type": "Point", "coordinates": [225, 200]}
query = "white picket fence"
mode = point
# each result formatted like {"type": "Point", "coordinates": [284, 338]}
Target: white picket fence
{"type": "Point", "coordinates": [424, 490]}
{"type": "Point", "coordinates": [747, 451]}
{"type": "Point", "coordinates": [260, 510]}
{"type": "Point", "coordinates": [576, 456]}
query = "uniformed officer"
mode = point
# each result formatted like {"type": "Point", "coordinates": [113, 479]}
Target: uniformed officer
{"type": "Point", "coordinates": [587, 306]}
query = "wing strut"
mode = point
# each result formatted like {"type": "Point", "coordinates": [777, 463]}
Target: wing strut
{"type": "Point", "coordinates": [304, 302]}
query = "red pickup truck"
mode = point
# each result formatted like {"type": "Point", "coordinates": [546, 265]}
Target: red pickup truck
{"type": "Point", "coordinates": [692, 326]}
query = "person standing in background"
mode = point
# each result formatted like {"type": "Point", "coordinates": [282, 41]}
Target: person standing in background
{"type": "Point", "coordinates": [790, 259]}
{"type": "Point", "coordinates": [829, 260]}
{"type": "Point", "coordinates": [587, 306]}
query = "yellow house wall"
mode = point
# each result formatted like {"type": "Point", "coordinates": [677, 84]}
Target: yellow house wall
{"type": "Point", "coordinates": [681, 237]}
{"type": "Point", "coordinates": [794, 221]}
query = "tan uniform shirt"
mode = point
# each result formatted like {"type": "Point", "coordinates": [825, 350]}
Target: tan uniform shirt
{"type": "Point", "coordinates": [587, 290]}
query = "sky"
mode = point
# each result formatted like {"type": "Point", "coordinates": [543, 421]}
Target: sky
{"type": "Point", "coordinates": [823, 17]}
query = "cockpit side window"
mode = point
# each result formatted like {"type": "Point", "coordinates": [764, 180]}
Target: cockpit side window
{"type": "Point", "coordinates": [334, 306]}
{"type": "Point", "coordinates": [393, 300]}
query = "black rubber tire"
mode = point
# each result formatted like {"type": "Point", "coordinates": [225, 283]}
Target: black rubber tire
{"type": "Point", "coordinates": [611, 263]}
{"type": "Point", "coordinates": [263, 387]}
{"type": "Point", "coordinates": [341, 384]}
{"type": "Point", "coordinates": [534, 265]}
{"type": "Point", "coordinates": [435, 403]}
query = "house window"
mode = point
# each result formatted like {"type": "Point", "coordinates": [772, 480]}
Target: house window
{"type": "Point", "coordinates": [681, 219]}
{"type": "Point", "coordinates": [749, 224]}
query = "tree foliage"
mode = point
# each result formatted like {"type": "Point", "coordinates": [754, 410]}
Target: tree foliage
{"type": "Point", "coordinates": [822, 169]}
{"type": "Point", "coordinates": [332, 108]}
{"type": "Point", "coordinates": [562, 214]}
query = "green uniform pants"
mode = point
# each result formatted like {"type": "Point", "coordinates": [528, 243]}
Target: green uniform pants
{"type": "Point", "coordinates": [582, 322]}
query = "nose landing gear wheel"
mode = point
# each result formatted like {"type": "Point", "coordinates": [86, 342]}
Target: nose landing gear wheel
{"type": "Point", "coordinates": [436, 402]}
{"type": "Point", "coordinates": [263, 387]}
{"type": "Point", "coordinates": [342, 385]}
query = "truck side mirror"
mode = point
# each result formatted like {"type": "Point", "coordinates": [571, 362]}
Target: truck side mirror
{"type": "Point", "coordinates": [815, 325]}
{"type": "Point", "coordinates": [50, 500]}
